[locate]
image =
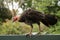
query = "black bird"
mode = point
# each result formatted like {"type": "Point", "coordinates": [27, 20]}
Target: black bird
{"type": "Point", "coordinates": [31, 16]}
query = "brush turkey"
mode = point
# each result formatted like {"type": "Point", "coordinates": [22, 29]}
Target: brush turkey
{"type": "Point", "coordinates": [31, 16]}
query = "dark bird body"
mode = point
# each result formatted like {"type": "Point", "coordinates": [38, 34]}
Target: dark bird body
{"type": "Point", "coordinates": [31, 16]}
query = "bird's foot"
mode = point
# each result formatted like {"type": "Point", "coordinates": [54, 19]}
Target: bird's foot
{"type": "Point", "coordinates": [28, 35]}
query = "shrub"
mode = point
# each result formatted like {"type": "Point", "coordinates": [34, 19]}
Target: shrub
{"type": "Point", "coordinates": [5, 13]}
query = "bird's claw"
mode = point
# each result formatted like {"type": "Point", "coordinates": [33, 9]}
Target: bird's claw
{"type": "Point", "coordinates": [28, 35]}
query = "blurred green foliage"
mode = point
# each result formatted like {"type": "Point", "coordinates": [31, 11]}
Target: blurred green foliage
{"type": "Point", "coordinates": [11, 28]}
{"type": "Point", "coordinates": [5, 13]}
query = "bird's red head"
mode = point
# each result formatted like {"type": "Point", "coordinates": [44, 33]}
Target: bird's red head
{"type": "Point", "coordinates": [15, 18]}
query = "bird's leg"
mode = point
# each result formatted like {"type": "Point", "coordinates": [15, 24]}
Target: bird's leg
{"type": "Point", "coordinates": [30, 33]}
{"type": "Point", "coordinates": [31, 30]}
{"type": "Point", "coordinates": [40, 28]}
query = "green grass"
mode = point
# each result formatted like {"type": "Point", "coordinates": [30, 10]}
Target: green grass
{"type": "Point", "coordinates": [17, 28]}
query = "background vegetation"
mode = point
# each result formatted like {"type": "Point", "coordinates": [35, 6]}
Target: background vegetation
{"type": "Point", "coordinates": [17, 28]}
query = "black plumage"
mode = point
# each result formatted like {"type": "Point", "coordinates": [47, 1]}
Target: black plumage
{"type": "Point", "coordinates": [31, 16]}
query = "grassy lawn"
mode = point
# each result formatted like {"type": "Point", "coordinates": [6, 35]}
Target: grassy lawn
{"type": "Point", "coordinates": [22, 28]}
